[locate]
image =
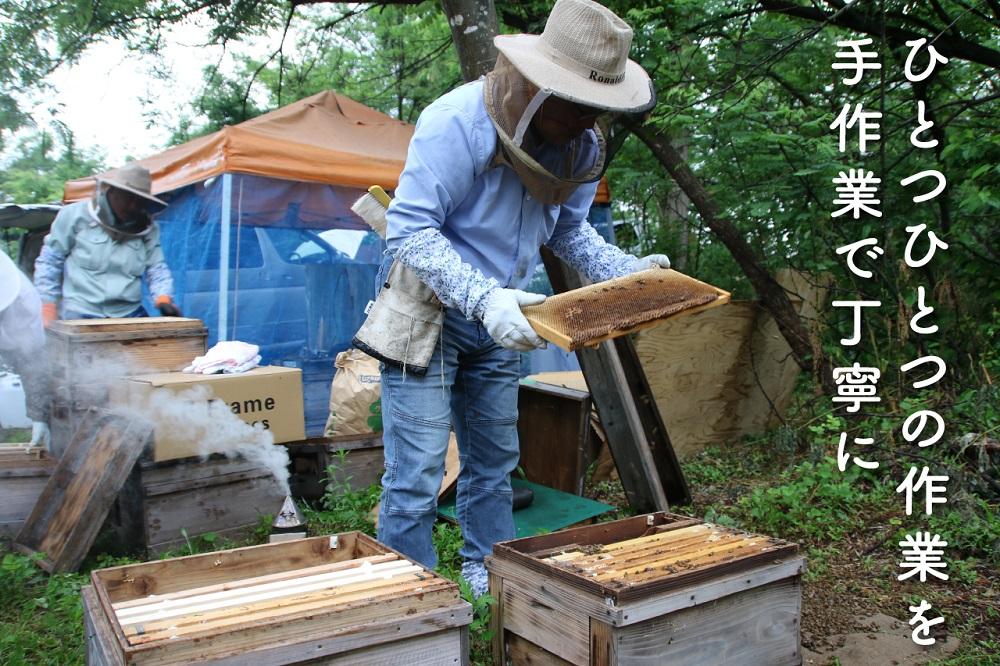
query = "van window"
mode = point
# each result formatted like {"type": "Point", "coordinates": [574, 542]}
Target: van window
{"type": "Point", "coordinates": [298, 246]}
{"type": "Point", "coordinates": [243, 248]}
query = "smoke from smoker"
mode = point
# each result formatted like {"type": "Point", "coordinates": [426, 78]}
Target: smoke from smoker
{"type": "Point", "coordinates": [188, 415]}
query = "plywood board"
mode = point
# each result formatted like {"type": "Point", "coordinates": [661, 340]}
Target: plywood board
{"type": "Point", "coordinates": [594, 313]}
{"type": "Point", "coordinates": [82, 488]}
{"type": "Point", "coordinates": [725, 373]}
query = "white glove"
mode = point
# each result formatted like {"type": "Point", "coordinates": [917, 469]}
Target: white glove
{"type": "Point", "coordinates": [505, 323]}
{"type": "Point", "coordinates": [40, 435]}
{"type": "Point", "coordinates": [651, 261]}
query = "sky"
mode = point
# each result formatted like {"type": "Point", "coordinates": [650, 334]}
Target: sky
{"type": "Point", "coordinates": [113, 101]}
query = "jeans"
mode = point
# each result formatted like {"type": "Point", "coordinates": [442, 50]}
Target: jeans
{"type": "Point", "coordinates": [471, 385]}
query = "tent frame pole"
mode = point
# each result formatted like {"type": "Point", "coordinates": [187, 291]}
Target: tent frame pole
{"type": "Point", "coordinates": [225, 221]}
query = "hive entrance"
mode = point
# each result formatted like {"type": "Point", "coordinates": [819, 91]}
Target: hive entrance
{"type": "Point", "coordinates": [598, 312]}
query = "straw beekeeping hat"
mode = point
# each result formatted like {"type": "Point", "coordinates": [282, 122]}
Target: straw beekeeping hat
{"type": "Point", "coordinates": [582, 56]}
{"type": "Point", "coordinates": [135, 179]}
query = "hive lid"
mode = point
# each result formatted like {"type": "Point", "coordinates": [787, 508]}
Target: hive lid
{"type": "Point", "coordinates": [592, 314]}
{"type": "Point", "coordinates": [126, 328]}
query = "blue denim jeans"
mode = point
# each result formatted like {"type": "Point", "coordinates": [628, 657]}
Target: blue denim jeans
{"type": "Point", "coordinates": [472, 386]}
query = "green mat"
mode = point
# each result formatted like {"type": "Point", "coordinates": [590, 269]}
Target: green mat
{"type": "Point", "coordinates": [551, 510]}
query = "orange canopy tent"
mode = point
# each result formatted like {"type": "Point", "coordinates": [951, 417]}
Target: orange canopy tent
{"type": "Point", "coordinates": [326, 138]}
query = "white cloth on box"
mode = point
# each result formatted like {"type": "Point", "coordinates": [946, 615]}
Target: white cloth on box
{"type": "Point", "coordinates": [229, 356]}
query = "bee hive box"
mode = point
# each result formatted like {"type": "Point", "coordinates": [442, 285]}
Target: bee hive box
{"type": "Point", "coordinates": [654, 589]}
{"type": "Point", "coordinates": [592, 314]}
{"type": "Point", "coordinates": [86, 355]}
{"type": "Point", "coordinates": [23, 475]}
{"type": "Point", "coordinates": [342, 599]}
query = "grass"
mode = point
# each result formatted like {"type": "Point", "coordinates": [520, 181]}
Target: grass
{"type": "Point", "coordinates": [784, 484]}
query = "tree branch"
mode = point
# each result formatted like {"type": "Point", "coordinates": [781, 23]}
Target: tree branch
{"type": "Point", "coordinates": [946, 45]}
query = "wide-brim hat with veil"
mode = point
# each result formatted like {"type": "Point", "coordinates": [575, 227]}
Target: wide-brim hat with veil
{"type": "Point", "coordinates": [582, 57]}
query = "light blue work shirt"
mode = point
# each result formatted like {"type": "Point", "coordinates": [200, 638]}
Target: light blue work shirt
{"type": "Point", "coordinates": [92, 273]}
{"type": "Point", "coordinates": [450, 183]}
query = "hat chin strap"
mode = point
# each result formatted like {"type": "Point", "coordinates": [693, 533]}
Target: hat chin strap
{"type": "Point", "coordinates": [529, 113]}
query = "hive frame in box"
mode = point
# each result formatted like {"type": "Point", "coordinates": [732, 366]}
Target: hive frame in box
{"type": "Point", "coordinates": [547, 614]}
{"type": "Point", "coordinates": [425, 621]}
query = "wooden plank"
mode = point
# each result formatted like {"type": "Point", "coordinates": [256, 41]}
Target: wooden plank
{"type": "Point", "coordinates": [442, 647]}
{"type": "Point", "coordinates": [237, 505]}
{"type": "Point", "coordinates": [603, 644]}
{"type": "Point", "coordinates": [621, 549]}
{"type": "Point", "coordinates": [647, 552]}
{"type": "Point", "coordinates": [215, 622]}
{"type": "Point", "coordinates": [553, 591]}
{"type": "Point", "coordinates": [547, 625]}
{"type": "Point", "coordinates": [554, 434]}
{"type": "Point", "coordinates": [162, 478]}
{"type": "Point", "coordinates": [102, 647]}
{"type": "Point", "coordinates": [392, 633]}
{"type": "Point", "coordinates": [81, 490]}
{"type": "Point", "coordinates": [525, 653]}
{"type": "Point", "coordinates": [662, 604]}
{"type": "Point", "coordinates": [636, 435]}
{"type": "Point", "coordinates": [71, 328]}
{"type": "Point", "coordinates": [133, 581]}
{"type": "Point", "coordinates": [497, 620]}
{"type": "Point", "coordinates": [355, 618]}
{"type": "Point", "coordinates": [602, 533]}
{"type": "Point", "coordinates": [757, 626]}
{"type": "Point", "coordinates": [256, 580]}
{"type": "Point", "coordinates": [696, 556]}
{"type": "Point", "coordinates": [340, 582]}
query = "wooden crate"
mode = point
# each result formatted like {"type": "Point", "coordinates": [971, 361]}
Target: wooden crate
{"type": "Point", "coordinates": [162, 502]}
{"type": "Point", "coordinates": [654, 589]}
{"type": "Point", "coordinates": [358, 460]}
{"type": "Point", "coordinates": [23, 475]}
{"type": "Point", "coordinates": [554, 432]}
{"type": "Point", "coordinates": [343, 599]}
{"type": "Point", "coordinates": [87, 354]}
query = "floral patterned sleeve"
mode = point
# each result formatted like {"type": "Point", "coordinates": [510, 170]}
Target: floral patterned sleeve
{"type": "Point", "coordinates": [429, 254]}
{"type": "Point", "coordinates": [585, 249]}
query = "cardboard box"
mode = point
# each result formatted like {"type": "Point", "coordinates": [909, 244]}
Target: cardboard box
{"type": "Point", "coordinates": [268, 397]}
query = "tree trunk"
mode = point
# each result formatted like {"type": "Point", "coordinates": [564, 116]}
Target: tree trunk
{"type": "Point", "coordinates": [473, 27]}
{"type": "Point", "coordinates": [771, 294]}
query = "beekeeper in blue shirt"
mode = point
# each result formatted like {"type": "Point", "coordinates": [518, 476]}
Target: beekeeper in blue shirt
{"type": "Point", "coordinates": [495, 169]}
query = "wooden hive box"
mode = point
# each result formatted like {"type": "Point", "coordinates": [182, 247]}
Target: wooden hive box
{"type": "Point", "coordinates": [23, 475]}
{"type": "Point", "coordinates": [163, 504]}
{"type": "Point", "coordinates": [343, 599]}
{"type": "Point", "coordinates": [653, 589]}
{"type": "Point", "coordinates": [86, 355]}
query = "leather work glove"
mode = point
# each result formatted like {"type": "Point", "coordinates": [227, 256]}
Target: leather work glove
{"type": "Point", "coordinates": [651, 261]}
{"type": "Point", "coordinates": [505, 323]}
{"type": "Point", "coordinates": [49, 314]}
{"type": "Point", "coordinates": [40, 435]}
{"type": "Point", "coordinates": [166, 307]}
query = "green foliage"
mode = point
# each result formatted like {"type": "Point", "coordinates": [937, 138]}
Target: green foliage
{"type": "Point", "coordinates": [40, 165]}
{"type": "Point", "coordinates": [394, 59]}
{"type": "Point", "coordinates": [342, 508]}
{"type": "Point", "coordinates": [41, 620]}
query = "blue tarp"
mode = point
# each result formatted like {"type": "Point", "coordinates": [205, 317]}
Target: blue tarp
{"type": "Point", "coordinates": [301, 269]}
